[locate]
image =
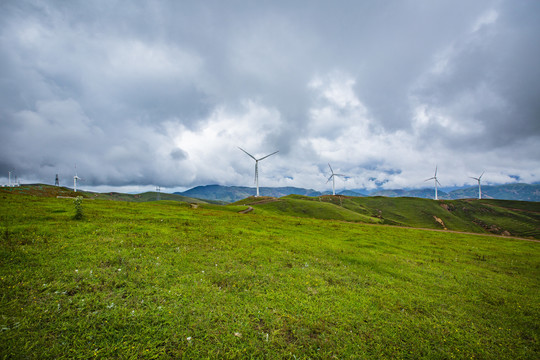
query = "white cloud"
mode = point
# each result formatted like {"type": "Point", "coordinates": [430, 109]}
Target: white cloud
{"type": "Point", "coordinates": [487, 18]}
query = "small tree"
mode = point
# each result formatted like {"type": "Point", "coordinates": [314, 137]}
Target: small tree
{"type": "Point", "coordinates": [79, 214]}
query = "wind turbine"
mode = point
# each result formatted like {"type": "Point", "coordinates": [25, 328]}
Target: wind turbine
{"type": "Point", "coordinates": [333, 177]}
{"type": "Point", "coordinates": [75, 178]}
{"type": "Point", "coordinates": [436, 182]}
{"type": "Point", "coordinates": [479, 186]}
{"type": "Point", "coordinates": [257, 166]}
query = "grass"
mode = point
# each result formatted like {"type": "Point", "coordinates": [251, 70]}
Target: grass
{"type": "Point", "coordinates": [510, 218]}
{"type": "Point", "coordinates": [165, 280]}
{"type": "Point", "coordinates": [54, 191]}
{"type": "Point", "coordinates": [311, 209]}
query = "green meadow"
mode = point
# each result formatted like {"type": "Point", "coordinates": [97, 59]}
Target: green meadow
{"type": "Point", "coordinates": [499, 217]}
{"type": "Point", "coordinates": [155, 280]}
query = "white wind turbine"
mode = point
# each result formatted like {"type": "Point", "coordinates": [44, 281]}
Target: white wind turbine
{"type": "Point", "coordinates": [333, 178]}
{"type": "Point", "coordinates": [436, 182]}
{"type": "Point", "coordinates": [479, 186]}
{"type": "Point", "coordinates": [257, 166]}
{"type": "Point", "coordinates": [75, 178]}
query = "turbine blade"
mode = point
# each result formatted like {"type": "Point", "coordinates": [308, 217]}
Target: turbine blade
{"type": "Point", "coordinates": [481, 175]}
{"type": "Point", "coordinates": [251, 156]}
{"type": "Point", "coordinates": [275, 152]}
{"type": "Point", "coordinates": [431, 178]}
{"type": "Point", "coordinates": [330, 178]}
{"type": "Point", "coordinates": [332, 171]}
{"type": "Point", "coordinates": [438, 182]}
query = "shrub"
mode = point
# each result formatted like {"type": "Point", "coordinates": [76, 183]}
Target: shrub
{"type": "Point", "coordinates": [79, 214]}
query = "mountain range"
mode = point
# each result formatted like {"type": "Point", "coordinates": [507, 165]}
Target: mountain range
{"type": "Point", "coordinates": [517, 191]}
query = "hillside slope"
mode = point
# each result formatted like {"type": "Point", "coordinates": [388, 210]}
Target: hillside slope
{"type": "Point", "coordinates": [501, 217]}
{"type": "Point", "coordinates": [296, 205]}
{"type": "Point", "coordinates": [44, 190]}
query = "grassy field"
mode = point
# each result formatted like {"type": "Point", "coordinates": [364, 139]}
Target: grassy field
{"type": "Point", "coordinates": [500, 217]}
{"type": "Point", "coordinates": [166, 280]}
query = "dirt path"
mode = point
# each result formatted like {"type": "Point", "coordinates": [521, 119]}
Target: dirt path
{"type": "Point", "coordinates": [249, 209]}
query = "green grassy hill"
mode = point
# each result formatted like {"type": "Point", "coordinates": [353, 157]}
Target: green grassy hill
{"type": "Point", "coordinates": [54, 191]}
{"type": "Point", "coordinates": [167, 280]}
{"type": "Point", "coordinates": [510, 218]}
{"type": "Point", "coordinates": [295, 205]}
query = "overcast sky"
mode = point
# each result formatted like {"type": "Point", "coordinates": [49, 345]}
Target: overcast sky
{"type": "Point", "coordinates": [145, 93]}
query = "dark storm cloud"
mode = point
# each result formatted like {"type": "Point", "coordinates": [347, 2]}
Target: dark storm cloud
{"type": "Point", "coordinates": [142, 93]}
{"type": "Point", "coordinates": [490, 80]}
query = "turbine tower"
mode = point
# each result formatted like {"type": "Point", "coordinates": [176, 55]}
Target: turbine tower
{"type": "Point", "coordinates": [257, 166]}
{"type": "Point", "coordinates": [436, 182]}
{"type": "Point", "coordinates": [333, 178]}
{"type": "Point", "coordinates": [479, 186]}
{"type": "Point", "coordinates": [57, 181]}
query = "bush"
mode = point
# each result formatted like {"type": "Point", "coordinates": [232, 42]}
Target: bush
{"type": "Point", "coordinates": [79, 214]}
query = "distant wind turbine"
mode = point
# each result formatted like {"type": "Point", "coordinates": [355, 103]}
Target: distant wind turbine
{"type": "Point", "coordinates": [257, 166]}
{"type": "Point", "coordinates": [333, 178]}
{"type": "Point", "coordinates": [479, 186]}
{"type": "Point", "coordinates": [75, 178]}
{"type": "Point", "coordinates": [436, 182]}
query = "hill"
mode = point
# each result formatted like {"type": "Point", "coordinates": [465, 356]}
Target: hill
{"type": "Point", "coordinates": [164, 280]}
{"type": "Point", "coordinates": [44, 190]}
{"type": "Point", "coordinates": [500, 217]}
{"type": "Point", "coordinates": [303, 206]}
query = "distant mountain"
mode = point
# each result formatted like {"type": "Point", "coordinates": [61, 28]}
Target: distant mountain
{"type": "Point", "coordinates": [235, 193]}
{"type": "Point", "coordinates": [523, 192]}
{"type": "Point", "coordinates": [344, 193]}
{"type": "Point", "coordinates": [418, 193]}
{"type": "Point", "coordinates": [351, 193]}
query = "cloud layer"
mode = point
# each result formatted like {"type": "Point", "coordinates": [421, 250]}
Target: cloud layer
{"type": "Point", "coordinates": [139, 94]}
